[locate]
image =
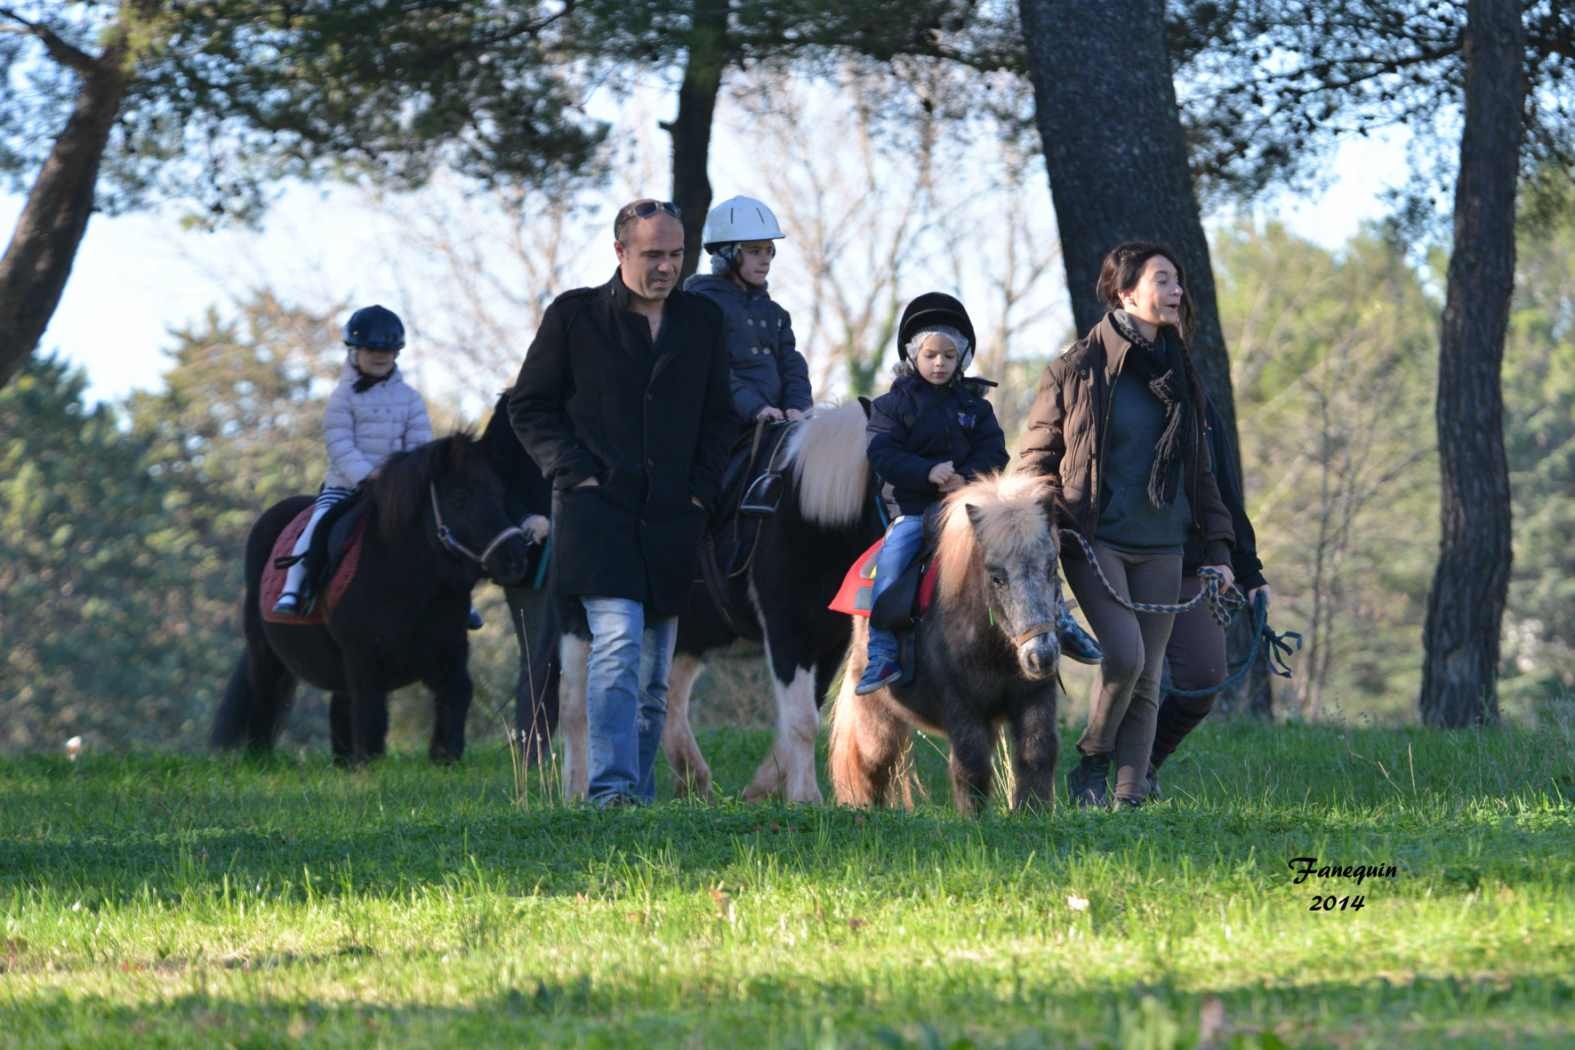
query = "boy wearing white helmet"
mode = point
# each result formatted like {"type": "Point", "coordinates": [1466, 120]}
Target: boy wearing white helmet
{"type": "Point", "coordinates": [770, 380]}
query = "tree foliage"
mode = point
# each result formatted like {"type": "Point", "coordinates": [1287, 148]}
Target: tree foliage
{"type": "Point", "coordinates": [1273, 85]}
{"type": "Point", "coordinates": [1539, 410]}
{"type": "Point", "coordinates": [228, 96]}
{"type": "Point", "coordinates": [1333, 358]}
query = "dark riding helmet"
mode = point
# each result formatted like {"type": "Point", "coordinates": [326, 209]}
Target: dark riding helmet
{"type": "Point", "coordinates": [374, 328]}
{"type": "Point", "coordinates": [930, 310]}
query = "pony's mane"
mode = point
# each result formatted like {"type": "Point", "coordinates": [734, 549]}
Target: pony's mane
{"type": "Point", "coordinates": [830, 471]}
{"type": "Point", "coordinates": [1012, 520]}
{"type": "Point", "coordinates": [400, 488]}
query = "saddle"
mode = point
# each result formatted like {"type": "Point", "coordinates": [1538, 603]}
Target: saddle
{"type": "Point", "coordinates": [751, 492]}
{"type": "Point", "coordinates": [331, 560]}
{"type": "Point", "coordinates": [901, 606]}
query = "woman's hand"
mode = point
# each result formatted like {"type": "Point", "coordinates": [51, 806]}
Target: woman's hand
{"type": "Point", "coordinates": [537, 528]}
{"type": "Point", "coordinates": [1252, 595]}
{"type": "Point", "coordinates": [1227, 578]}
{"type": "Point", "coordinates": [941, 473]}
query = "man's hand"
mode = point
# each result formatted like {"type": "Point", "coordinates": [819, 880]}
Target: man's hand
{"type": "Point", "coordinates": [794, 415]}
{"type": "Point", "coordinates": [1226, 576]}
{"type": "Point", "coordinates": [588, 483]}
{"type": "Point", "coordinates": [770, 414]}
{"type": "Point", "coordinates": [941, 473]}
{"type": "Point", "coordinates": [536, 527]}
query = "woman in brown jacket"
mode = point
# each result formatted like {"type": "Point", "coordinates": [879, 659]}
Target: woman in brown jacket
{"type": "Point", "coordinates": [1118, 431]}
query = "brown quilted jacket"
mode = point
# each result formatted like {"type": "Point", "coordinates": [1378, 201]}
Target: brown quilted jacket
{"type": "Point", "coordinates": [1066, 434]}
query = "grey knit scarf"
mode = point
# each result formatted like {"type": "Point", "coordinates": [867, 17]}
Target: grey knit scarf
{"type": "Point", "coordinates": [1158, 366]}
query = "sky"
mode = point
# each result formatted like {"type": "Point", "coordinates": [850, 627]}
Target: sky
{"type": "Point", "coordinates": [138, 276]}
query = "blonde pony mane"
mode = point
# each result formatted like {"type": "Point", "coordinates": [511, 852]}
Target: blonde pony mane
{"type": "Point", "coordinates": [1012, 521]}
{"type": "Point", "coordinates": [830, 470]}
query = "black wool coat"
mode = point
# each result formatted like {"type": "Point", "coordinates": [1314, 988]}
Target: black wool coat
{"type": "Point", "coordinates": [596, 398]}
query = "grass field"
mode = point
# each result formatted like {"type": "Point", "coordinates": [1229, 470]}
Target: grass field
{"type": "Point", "coordinates": [180, 901]}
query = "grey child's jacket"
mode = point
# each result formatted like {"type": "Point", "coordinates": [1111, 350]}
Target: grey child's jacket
{"type": "Point", "coordinates": [765, 365]}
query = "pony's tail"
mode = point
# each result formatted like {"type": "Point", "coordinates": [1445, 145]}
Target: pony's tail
{"type": "Point", "coordinates": [235, 710]}
{"type": "Point", "coordinates": [830, 470]}
{"type": "Point", "coordinates": [870, 752]}
{"type": "Point", "coordinates": [256, 700]}
{"type": "Point", "coordinates": [841, 749]}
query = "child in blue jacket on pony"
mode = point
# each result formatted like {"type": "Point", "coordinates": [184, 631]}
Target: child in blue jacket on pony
{"type": "Point", "coordinates": [929, 435]}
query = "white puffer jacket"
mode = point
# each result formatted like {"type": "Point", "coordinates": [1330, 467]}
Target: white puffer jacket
{"type": "Point", "coordinates": [365, 429]}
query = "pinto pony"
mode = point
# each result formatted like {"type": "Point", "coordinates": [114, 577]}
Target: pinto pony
{"type": "Point", "coordinates": [827, 517]}
{"type": "Point", "coordinates": [400, 620]}
{"type": "Point", "coordinates": [987, 656]}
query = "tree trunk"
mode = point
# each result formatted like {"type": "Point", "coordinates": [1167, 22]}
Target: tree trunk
{"type": "Point", "coordinates": [1465, 607]}
{"type": "Point", "coordinates": [691, 129]}
{"type": "Point", "coordinates": [1106, 109]}
{"type": "Point", "coordinates": [43, 247]}
{"type": "Point", "coordinates": [1107, 115]}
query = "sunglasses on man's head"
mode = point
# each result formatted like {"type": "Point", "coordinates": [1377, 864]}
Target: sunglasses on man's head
{"type": "Point", "coordinates": [646, 209]}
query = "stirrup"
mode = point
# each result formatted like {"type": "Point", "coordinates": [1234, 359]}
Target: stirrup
{"type": "Point", "coordinates": [762, 496]}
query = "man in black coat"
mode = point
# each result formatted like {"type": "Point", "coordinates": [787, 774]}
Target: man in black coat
{"type": "Point", "coordinates": [624, 402]}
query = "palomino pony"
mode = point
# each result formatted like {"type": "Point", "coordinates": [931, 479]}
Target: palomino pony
{"type": "Point", "coordinates": [401, 618]}
{"type": "Point", "coordinates": [827, 517]}
{"type": "Point", "coordinates": [987, 653]}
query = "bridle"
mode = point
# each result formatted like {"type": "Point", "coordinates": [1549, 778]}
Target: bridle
{"type": "Point", "coordinates": [452, 544]}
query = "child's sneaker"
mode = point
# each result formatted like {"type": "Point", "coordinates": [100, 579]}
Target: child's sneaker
{"type": "Point", "coordinates": [877, 675]}
{"type": "Point", "coordinates": [1076, 643]}
{"type": "Point", "coordinates": [288, 605]}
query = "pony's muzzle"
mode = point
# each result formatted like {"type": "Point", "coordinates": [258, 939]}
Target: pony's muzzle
{"type": "Point", "coordinates": [1039, 656]}
{"type": "Point", "coordinates": [509, 562]}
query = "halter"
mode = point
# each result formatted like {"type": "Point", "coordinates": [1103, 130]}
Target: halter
{"type": "Point", "coordinates": [451, 543]}
{"type": "Point", "coordinates": [1034, 630]}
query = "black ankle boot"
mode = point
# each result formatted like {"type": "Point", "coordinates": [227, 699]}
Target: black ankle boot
{"type": "Point", "coordinates": [1087, 785]}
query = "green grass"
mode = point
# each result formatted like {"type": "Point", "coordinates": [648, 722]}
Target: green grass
{"type": "Point", "coordinates": [178, 901]}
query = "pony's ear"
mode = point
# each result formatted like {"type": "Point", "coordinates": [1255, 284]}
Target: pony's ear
{"type": "Point", "coordinates": [865, 403]}
{"type": "Point", "coordinates": [975, 515]}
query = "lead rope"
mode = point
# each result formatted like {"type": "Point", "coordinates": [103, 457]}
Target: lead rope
{"type": "Point", "coordinates": [1223, 604]}
{"type": "Point", "coordinates": [1222, 601]}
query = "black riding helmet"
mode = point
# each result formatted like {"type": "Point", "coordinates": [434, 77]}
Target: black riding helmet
{"type": "Point", "coordinates": [930, 310]}
{"type": "Point", "coordinates": [375, 328]}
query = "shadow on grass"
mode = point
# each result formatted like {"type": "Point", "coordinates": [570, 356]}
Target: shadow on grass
{"type": "Point", "coordinates": [960, 1008]}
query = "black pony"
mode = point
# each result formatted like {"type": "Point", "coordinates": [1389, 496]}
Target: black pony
{"type": "Point", "coordinates": [439, 522]}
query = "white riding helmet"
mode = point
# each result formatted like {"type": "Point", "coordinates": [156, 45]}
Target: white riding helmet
{"type": "Point", "coordinates": [739, 219]}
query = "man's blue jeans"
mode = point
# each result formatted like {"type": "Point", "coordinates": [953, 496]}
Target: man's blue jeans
{"type": "Point", "coordinates": [626, 696]}
{"type": "Point", "coordinates": [903, 539]}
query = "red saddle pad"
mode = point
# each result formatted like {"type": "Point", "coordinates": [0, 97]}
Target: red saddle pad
{"type": "Point", "coordinates": [857, 593]}
{"type": "Point", "coordinates": [273, 576]}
